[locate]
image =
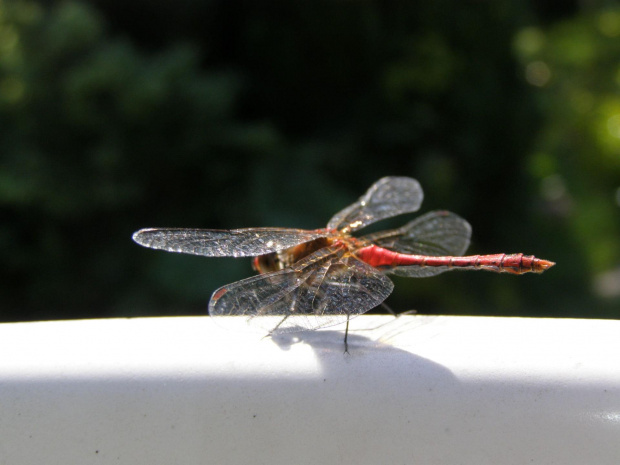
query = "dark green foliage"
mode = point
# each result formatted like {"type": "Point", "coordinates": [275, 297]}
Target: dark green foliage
{"type": "Point", "coordinates": [234, 114]}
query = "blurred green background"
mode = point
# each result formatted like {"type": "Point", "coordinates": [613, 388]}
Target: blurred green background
{"type": "Point", "coordinates": [117, 115]}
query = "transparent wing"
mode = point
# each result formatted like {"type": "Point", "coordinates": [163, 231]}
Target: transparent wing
{"type": "Point", "coordinates": [318, 291]}
{"type": "Point", "coordinates": [419, 271]}
{"type": "Point", "coordinates": [389, 196]}
{"type": "Point", "coordinates": [224, 243]}
{"type": "Point", "coordinates": [438, 233]}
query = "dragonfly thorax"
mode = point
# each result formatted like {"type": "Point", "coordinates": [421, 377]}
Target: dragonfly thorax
{"type": "Point", "coordinates": [284, 258]}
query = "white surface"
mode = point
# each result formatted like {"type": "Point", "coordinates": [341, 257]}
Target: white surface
{"type": "Point", "coordinates": [423, 390]}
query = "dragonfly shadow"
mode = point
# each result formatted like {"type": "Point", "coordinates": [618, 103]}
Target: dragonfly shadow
{"type": "Point", "coordinates": [319, 340]}
{"type": "Point", "coordinates": [374, 365]}
{"type": "Point", "coordinates": [373, 335]}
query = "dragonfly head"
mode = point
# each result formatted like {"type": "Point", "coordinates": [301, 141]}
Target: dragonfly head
{"type": "Point", "coordinates": [266, 263]}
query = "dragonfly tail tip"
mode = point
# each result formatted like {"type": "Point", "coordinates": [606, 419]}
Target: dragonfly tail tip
{"type": "Point", "coordinates": [543, 265]}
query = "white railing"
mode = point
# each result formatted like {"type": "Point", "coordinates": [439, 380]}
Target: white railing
{"type": "Point", "coordinates": [412, 390]}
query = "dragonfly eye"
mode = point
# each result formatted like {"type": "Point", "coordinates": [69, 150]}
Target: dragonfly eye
{"type": "Point", "coordinates": [267, 263]}
{"type": "Point", "coordinates": [256, 264]}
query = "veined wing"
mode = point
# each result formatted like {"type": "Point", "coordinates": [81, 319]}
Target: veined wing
{"type": "Point", "coordinates": [319, 290]}
{"type": "Point", "coordinates": [438, 233]}
{"type": "Point", "coordinates": [389, 196]}
{"type": "Point", "coordinates": [224, 243]}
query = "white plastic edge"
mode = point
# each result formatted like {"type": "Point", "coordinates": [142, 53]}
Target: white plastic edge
{"type": "Point", "coordinates": [423, 390]}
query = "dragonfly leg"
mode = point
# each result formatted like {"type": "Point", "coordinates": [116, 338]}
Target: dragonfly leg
{"type": "Point", "coordinates": [393, 313]}
{"type": "Point", "coordinates": [278, 325]}
{"type": "Point", "coordinates": [346, 335]}
{"type": "Point", "coordinates": [388, 309]}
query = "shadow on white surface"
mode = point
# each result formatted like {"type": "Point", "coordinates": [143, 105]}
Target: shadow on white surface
{"type": "Point", "coordinates": [414, 390]}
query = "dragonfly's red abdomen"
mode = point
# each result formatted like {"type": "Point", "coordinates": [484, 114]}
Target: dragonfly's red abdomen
{"type": "Point", "coordinates": [501, 263]}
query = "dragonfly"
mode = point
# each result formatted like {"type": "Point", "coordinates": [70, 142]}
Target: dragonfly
{"type": "Point", "coordinates": [310, 279]}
